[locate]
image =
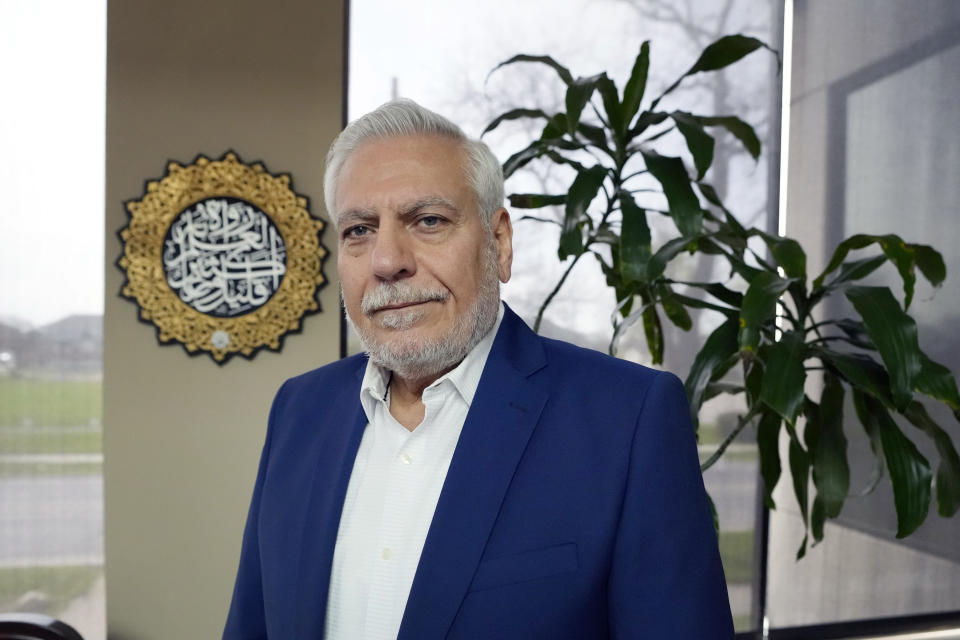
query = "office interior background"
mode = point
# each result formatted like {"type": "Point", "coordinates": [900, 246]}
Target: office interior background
{"type": "Point", "coordinates": [126, 466]}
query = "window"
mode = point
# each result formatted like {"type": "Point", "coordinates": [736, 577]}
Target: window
{"type": "Point", "coordinates": [447, 71]}
{"type": "Point", "coordinates": [51, 305]}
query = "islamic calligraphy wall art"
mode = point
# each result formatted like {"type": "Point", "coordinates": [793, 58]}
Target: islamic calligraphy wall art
{"type": "Point", "coordinates": [222, 257]}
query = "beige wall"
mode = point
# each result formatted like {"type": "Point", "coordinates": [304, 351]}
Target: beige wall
{"type": "Point", "coordinates": [182, 435]}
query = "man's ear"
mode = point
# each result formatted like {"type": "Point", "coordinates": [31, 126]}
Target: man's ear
{"type": "Point", "coordinates": [503, 237]}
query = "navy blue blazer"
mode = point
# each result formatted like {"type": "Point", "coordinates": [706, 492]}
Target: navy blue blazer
{"type": "Point", "coordinates": [573, 507]}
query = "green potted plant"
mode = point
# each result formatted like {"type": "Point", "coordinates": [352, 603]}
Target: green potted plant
{"type": "Point", "coordinates": [777, 324]}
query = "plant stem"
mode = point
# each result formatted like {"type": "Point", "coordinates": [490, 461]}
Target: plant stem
{"type": "Point", "coordinates": [549, 299]}
{"type": "Point", "coordinates": [823, 323]}
{"type": "Point", "coordinates": [788, 314]}
{"type": "Point", "coordinates": [611, 207]}
{"type": "Point", "coordinates": [744, 421]}
{"type": "Point", "coordinates": [539, 219]}
{"type": "Point", "coordinates": [637, 173]}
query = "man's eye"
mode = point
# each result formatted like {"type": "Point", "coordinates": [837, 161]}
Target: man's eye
{"type": "Point", "coordinates": [431, 221]}
{"type": "Point", "coordinates": [356, 231]}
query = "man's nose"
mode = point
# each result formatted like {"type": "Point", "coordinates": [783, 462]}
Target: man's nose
{"type": "Point", "coordinates": [392, 256]}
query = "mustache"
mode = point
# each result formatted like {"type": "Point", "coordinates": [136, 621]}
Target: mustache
{"type": "Point", "coordinates": [388, 294]}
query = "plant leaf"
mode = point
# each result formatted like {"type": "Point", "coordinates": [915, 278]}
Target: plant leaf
{"type": "Point", "coordinates": [635, 87]}
{"type": "Point", "coordinates": [783, 379]}
{"type": "Point", "coordinates": [522, 157]}
{"type": "Point", "coordinates": [683, 203]}
{"type": "Point", "coordinates": [753, 380]}
{"type": "Point", "coordinates": [855, 333]}
{"type": "Point", "coordinates": [561, 70]}
{"type": "Point", "coordinates": [909, 471]}
{"type": "Point", "coordinates": [555, 128]}
{"type": "Point", "coordinates": [611, 105]}
{"type": "Point", "coordinates": [718, 55]}
{"type": "Point", "coordinates": [723, 294]}
{"type": "Point", "coordinates": [535, 200]}
{"type": "Point", "coordinates": [862, 372]}
{"type": "Point", "coordinates": [714, 389]}
{"type": "Point", "coordinates": [738, 129]}
{"type": "Point", "coordinates": [561, 159]}
{"type": "Point", "coordinates": [674, 308]}
{"type": "Point", "coordinates": [768, 443]}
{"type": "Point", "coordinates": [667, 252]}
{"type": "Point", "coordinates": [514, 114]}
{"type": "Point", "coordinates": [936, 381]}
{"type": "Point", "coordinates": [855, 270]}
{"type": "Point", "coordinates": [710, 193]}
{"type": "Point", "coordinates": [582, 192]}
{"type": "Point", "coordinates": [895, 334]}
{"type": "Point", "coordinates": [635, 250]}
{"type": "Point", "coordinates": [831, 472]}
{"type": "Point", "coordinates": [653, 330]}
{"type": "Point", "coordinates": [948, 472]}
{"type": "Point", "coordinates": [699, 142]}
{"type": "Point", "coordinates": [759, 306]}
{"type": "Point", "coordinates": [904, 257]}
{"type": "Point", "coordinates": [578, 94]}
{"type": "Point", "coordinates": [697, 303]}
{"type": "Point", "coordinates": [789, 255]}
{"type": "Point", "coordinates": [800, 473]}
{"type": "Point", "coordinates": [876, 447]}
{"type": "Point", "coordinates": [714, 353]}
{"type": "Point", "coordinates": [594, 135]}
{"type": "Point", "coordinates": [648, 119]}
{"type": "Point", "coordinates": [930, 263]}
{"type": "Point", "coordinates": [725, 52]}
{"type": "Point", "coordinates": [818, 516]}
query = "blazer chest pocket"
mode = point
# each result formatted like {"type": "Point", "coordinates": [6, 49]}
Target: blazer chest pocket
{"type": "Point", "coordinates": [522, 567]}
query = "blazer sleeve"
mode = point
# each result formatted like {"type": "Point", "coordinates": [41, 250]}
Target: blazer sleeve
{"type": "Point", "coordinates": [246, 619]}
{"type": "Point", "coordinates": [666, 579]}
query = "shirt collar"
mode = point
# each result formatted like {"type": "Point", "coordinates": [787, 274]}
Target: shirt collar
{"type": "Point", "coordinates": [465, 377]}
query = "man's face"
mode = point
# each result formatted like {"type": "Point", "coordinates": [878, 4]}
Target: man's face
{"type": "Point", "coordinates": [418, 270]}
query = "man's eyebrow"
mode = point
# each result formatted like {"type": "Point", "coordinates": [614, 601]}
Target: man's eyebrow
{"type": "Point", "coordinates": [429, 201]}
{"type": "Point", "coordinates": [358, 213]}
{"type": "Point", "coordinates": [366, 214]}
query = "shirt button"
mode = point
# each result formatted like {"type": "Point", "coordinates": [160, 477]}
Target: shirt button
{"type": "Point", "coordinates": [386, 553]}
{"type": "Point", "coordinates": [405, 459]}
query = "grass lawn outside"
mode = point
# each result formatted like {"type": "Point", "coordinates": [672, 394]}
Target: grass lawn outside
{"type": "Point", "coordinates": [49, 589]}
{"type": "Point", "coordinates": [736, 550]}
{"type": "Point", "coordinates": [36, 469]}
{"type": "Point", "coordinates": [32, 440]}
{"type": "Point", "coordinates": [743, 622]}
{"type": "Point", "coordinates": [37, 402]}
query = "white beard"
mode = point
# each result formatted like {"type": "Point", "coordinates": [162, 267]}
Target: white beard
{"type": "Point", "coordinates": [415, 357]}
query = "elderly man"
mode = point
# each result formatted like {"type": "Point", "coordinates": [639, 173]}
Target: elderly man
{"type": "Point", "coordinates": [466, 478]}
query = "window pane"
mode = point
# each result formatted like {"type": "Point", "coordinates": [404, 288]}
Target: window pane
{"type": "Point", "coordinates": [52, 61]}
{"type": "Point", "coordinates": [440, 54]}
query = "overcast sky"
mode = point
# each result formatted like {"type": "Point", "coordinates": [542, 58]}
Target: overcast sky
{"type": "Point", "coordinates": [52, 69]}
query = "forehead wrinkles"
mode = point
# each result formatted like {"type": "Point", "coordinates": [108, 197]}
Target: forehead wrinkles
{"type": "Point", "coordinates": [399, 153]}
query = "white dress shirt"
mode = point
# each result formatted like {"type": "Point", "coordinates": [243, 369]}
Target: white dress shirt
{"type": "Point", "coordinates": [393, 491]}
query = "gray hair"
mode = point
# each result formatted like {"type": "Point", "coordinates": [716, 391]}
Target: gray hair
{"type": "Point", "coordinates": [403, 117]}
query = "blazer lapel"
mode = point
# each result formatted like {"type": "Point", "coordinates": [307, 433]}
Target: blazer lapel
{"type": "Point", "coordinates": [502, 417]}
{"type": "Point", "coordinates": [335, 454]}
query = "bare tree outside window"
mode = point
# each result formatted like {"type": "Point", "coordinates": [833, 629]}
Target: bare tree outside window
{"type": "Point", "coordinates": [450, 73]}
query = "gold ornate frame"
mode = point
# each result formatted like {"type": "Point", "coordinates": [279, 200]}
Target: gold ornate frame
{"type": "Point", "coordinates": [224, 181]}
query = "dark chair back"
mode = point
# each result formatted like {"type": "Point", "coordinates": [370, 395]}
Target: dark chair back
{"type": "Point", "coordinates": [34, 626]}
